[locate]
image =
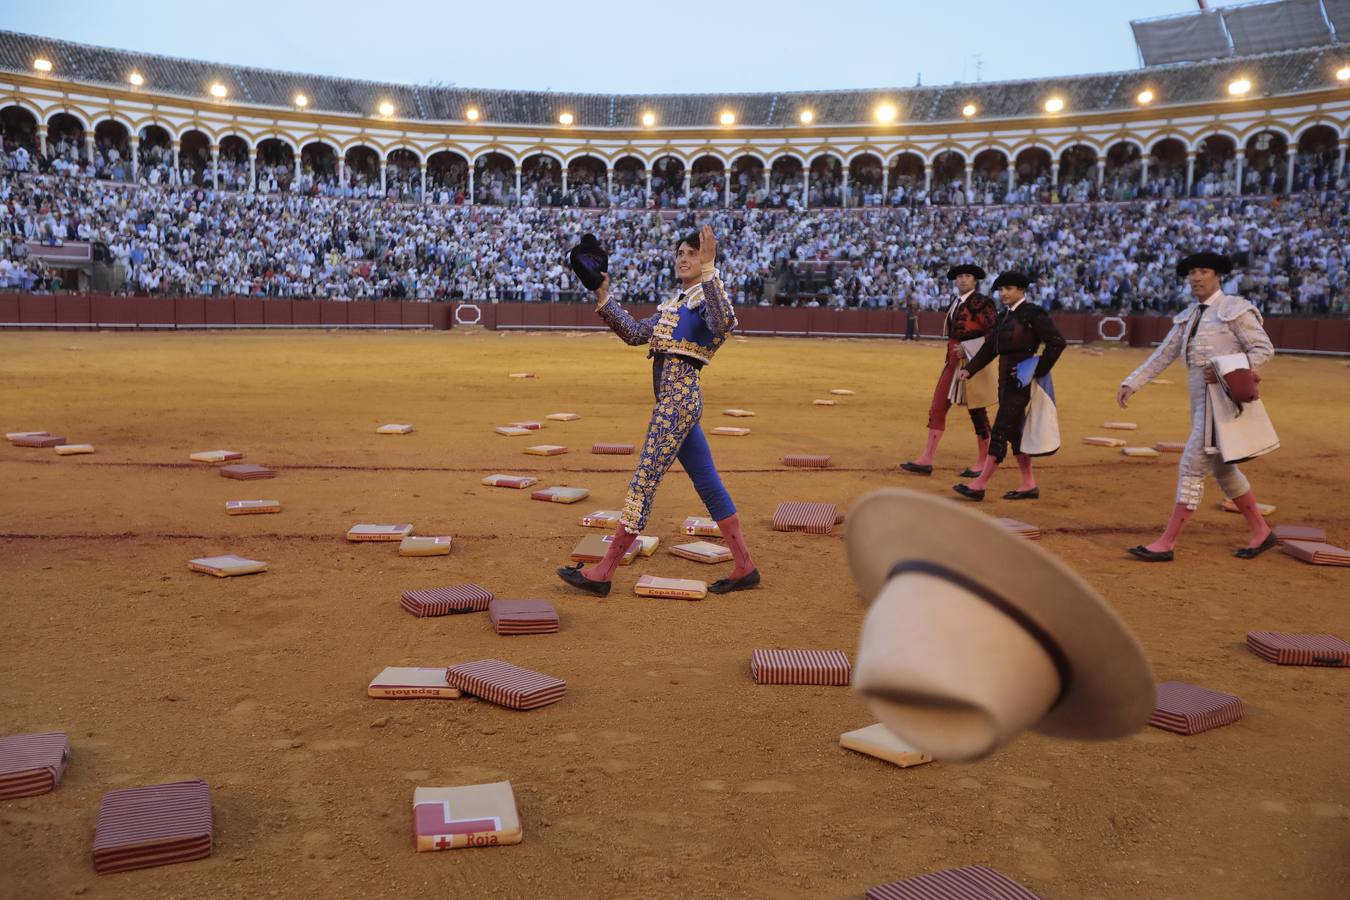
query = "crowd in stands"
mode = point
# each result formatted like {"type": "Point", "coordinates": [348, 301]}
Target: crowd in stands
{"type": "Point", "coordinates": [172, 235]}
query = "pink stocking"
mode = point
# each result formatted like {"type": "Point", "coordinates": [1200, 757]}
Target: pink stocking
{"type": "Point", "coordinates": [740, 552]}
{"type": "Point", "coordinates": [604, 569]}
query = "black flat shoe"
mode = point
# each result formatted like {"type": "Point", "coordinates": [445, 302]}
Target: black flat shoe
{"type": "Point", "coordinates": [1033, 494]}
{"type": "Point", "coordinates": [727, 585]}
{"type": "Point", "coordinates": [968, 492]}
{"type": "Point", "coordinates": [1147, 555]}
{"type": "Point", "coordinates": [1254, 552]}
{"type": "Point", "coordinates": [572, 575]}
{"type": "Point", "coordinates": [916, 468]}
{"type": "Point", "coordinates": [968, 472]}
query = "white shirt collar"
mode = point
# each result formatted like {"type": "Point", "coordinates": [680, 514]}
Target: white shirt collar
{"type": "Point", "coordinates": [1209, 301]}
{"type": "Point", "coordinates": [965, 295]}
{"type": "Point", "coordinates": [1018, 303]}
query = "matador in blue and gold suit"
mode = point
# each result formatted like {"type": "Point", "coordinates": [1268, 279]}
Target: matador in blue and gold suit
{"type": "Point", "coordinates": [683, 335]}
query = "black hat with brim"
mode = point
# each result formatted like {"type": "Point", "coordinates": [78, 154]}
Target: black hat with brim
{"type": "Point", "coordinates": [967, 269]}
{"type": "Point", "coordinates": [1216, 261]}
{"type": "Point", "coordinates": [590, 261]}
{"type": "Point", "coordinates": [1012, 279]}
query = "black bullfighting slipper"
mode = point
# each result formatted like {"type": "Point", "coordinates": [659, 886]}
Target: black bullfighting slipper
{"type": "Point", "coordinates": [727, 585]}
{"type": "Point", "coordinates": [968, 472]}
{"type": "Point", "coordinates": [1254, 552]}
{"type": "Point", "coordinates": [1147, 555]}
{"type": "Point", "coordinates": [1033, 494]}
{"type": "Point", "coordinates": [572, 575]}
{"type": "Point", "coordinates": [969, 493]}
{"type": "Point", "coordinates": [916, 468]}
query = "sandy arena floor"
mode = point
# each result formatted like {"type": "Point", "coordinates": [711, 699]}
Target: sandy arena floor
{"type": "Point", "coordinates": [665, 771]}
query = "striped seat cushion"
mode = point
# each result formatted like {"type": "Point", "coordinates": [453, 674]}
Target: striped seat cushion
{"type": "Point", "coordinates": [1309, 533]}
{"type": "Point", "coordinates": [1319, 554]}
{"type": "Point", "coordinates": [1016, 526]}
{"type": "Point", "coordinates": [246, 472]}
{"type": "Point", "coordinates": [965, 883]}
{"type": "Point", "coordinates": [32, 764]}
{"type": "Point", "coordinates": [1188, 709]}
{"type": "Point", "coordinates": [807, 460]}
{"type": "Point", "coordinates": [506, 685]}
{"type": "Point", "coordinates": [37, 440]}
{"type": "Point", "coordinates": [1299, 649]}
{"type": "Point", "coordinates": [813, 518]}
{"type": "Point", "coordinates": [153, 826]}
{"type": "Point", "coordinates": [828, 667]}
{"type": "Point", "coordinates": [613, 449]}
{"type": "Point", "coordinates": [523, 617]}
{"type": "Point", "coordinates": [445, 601]}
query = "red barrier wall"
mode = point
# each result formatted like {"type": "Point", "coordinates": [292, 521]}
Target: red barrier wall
{"type": "Point", "coordinates": [307, 312]}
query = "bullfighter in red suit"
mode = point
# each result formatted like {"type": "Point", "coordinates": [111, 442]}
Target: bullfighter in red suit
{"type": "Point", "coordinates": [971, 315]}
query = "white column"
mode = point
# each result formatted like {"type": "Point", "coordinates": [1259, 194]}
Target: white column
{"type": "Point", "coordinates": [1340, 157]}
{"type": "Point", "coordinates": [423, 198]}
{"type": "Point", "coordinates": [342, 171]}
{"type": "Point", "coordinates": [1012, 176]}
{"type": "Point", "coordinates": [928, 177]}
{"type": "Point", "coordinates": [297, 169]}
{"type": "Point", "coordinates": [1143, 170]}
{"type": "Point", "coordinates": [1054, 178]}
{"type": "Point", "coordinates": [726, 188]}
{"type": "Point", "coordinates": [517, 171]}
{"type": "Point", "coordinates": [806, 187]}
{"type": "Point", "coordinates": [383, 183]}
{"type": "Point", "coordinates": [1289, 171]}
{"type": "Point", "coordinates": [89, 147]}
{"type": "Point", "coordinates": [1190, 171]}
{"type": "Point", "coordinates": [471, 171]}
{"type": "Point", "coordinates": [609, 184]}
{"type": "Point", "coordinates": [1238, 159]}
{"type": "Point", "coordinates": [215, 167]}
{"type": "Point", "coordinates": [1101, 173]}
{"type": "Point", "coordinates": [174, 177]}
{"type": "Point", "coordinates": [42, 139]}
{"type": "Point", "coordinates": [252, 169]}
{"type": "Point", "coordinates": [564, 181]}
{"type": "Point", "coordinates": [649, 183]}
{"type": "Point", "coordinates": [885, 185]}
{"type": "Point", "coordinates": [686, 185]}
{"type": "Point", "coordinates": [135, 145]}
{"type": "Point", "coordinates": [844, 201]}
{"type": "Point", "coordinates": [766, 181]}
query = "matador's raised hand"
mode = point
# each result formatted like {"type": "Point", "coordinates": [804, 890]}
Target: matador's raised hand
{"type": "Point", "coordinates": [707, 246]}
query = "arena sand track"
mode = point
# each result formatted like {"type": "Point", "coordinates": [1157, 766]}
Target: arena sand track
{"type": "Point", "coordinates": [665, 771]}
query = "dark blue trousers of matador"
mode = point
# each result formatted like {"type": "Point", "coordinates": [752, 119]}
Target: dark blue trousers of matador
{"type": "Point", "coordinates": [674, 433]}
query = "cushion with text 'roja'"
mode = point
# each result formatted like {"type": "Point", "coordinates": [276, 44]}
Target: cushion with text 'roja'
{"type": "Point", "coordinates": [140, 827]}
{"type": "Point", "coordinates": [1189, 709]}
{"type": "Point", "coordinates": [813, 518]}
{"type": "Point", "coordinates": [820, 667]}
{"type": "Point", "coordinates": [475, 815]}
{"type": "Point", "coordinates": [446, 601]}
{"type": "Point", "coordinates": [1286, 649]}
{"type": "Point", "coordinates": [601, 518]}
{"type": "Point", "coordinates": [965, 883]}
{"type": "Point", "coordinates": [505, 684]}
{"type": "Point", "coordinates": [700, 526]}
{"type": "Point", "coordinates": [32, 764]}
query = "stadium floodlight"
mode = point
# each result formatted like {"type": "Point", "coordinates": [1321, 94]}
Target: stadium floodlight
{"type": "Point", "coordinates": [136, 79]}
{"type": "Point", "coordinates": [1343, 73]}
{"type": "Point", "coordinates": [1239, 87]}
{"type": "Point", "coordinates": [42, 64]}
{"type": "Point", "coordinates": [301, 101]}
{"type": "Point", "coordinates": [807, 117]}
{"type": "Point", "coordinates": [1145, 97]}
{"type": "Point", "coordinates": [1054, 105]}
{"type": "Point", "coordinates": [471, 114]}
{"type": "Point", "coordinates": [885, 113]}
{"type": "Point", "coordinates": [648, 119]}
{"type": "Point", "coordinates": [565, 119]}
{"type": "Point", "coordinates": [969, 110]}
{"type": "Point", "coordinates": [386, 109]}
{"type": "Point", "coordinates": [218, 91]}
{"type": "Point", "coordinates": [727, 118]}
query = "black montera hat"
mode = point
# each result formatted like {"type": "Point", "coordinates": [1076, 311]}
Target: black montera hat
{"type": "Point", "coordinates": [1012, 279]}
{"type": "Point", "coordinates": [967, 269]}
{"type": "Point", "coordinates": [590, 261]}
{"type": "Point", "coordinates": [1216, 261]}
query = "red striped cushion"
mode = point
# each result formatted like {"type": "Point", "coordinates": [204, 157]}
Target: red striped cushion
{"type": "Point", "coordinates": [246, 471]}
{"type": "Point", "coordinates": [32, 764]}
{"type": "Point", "coordinates": [1016, 526]}
{"type": "Point", "coordinates": [806, 460]}
{"type": "Point", "coordinates": [1309, 533]}
{"type": "Point", "coordinates": [523, 616]}
{"type": "Point", "coordinates": [813, 518]}
{"type": "Point", "coordinates": [37, 440]}
{"type": "Point", "coordinates": [1319, 554]}
{"type": "Point", "coordinates": [506, 685]}
{"type": "Point", "coordinates": [1188, 709]}
{"type": "Point", "coordinates": [459, 598]}
{"type": "Point", "coordinates": [965, 883]}
{"type": "Point", "coordinates": [828, 667]}
{"type": "Point", "coordinates": [613, 449]}
{"type": "Point", "coordinates": [153, 826]}
{"type": "Point", "coordinates": [1299, 649]}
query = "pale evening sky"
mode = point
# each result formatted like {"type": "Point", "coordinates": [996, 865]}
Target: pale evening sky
{"type": "Point", "coordinates": [622, 48]}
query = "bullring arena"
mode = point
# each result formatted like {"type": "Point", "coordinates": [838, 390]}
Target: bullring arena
{"type": "Point", "coordinates": [665, 770]}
